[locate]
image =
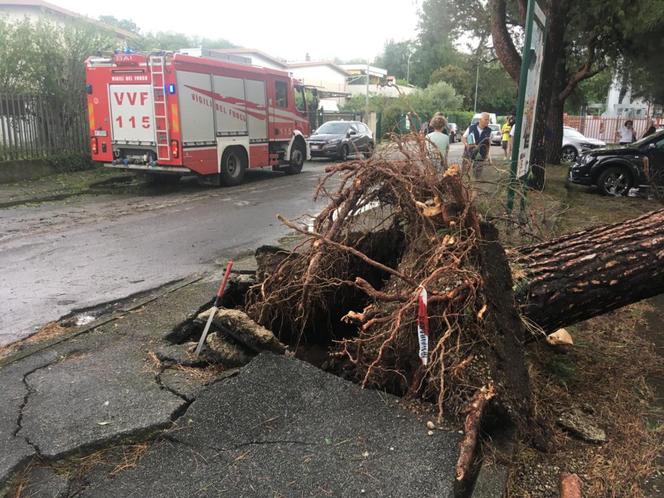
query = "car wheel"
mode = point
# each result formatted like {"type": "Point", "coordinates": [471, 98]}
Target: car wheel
{"type": "Point", "coordinates": [568, 154]}
{"type": "Point", "coordinates": [343, 155]}
{"type": "Point", "coordinates": [298, 154]}
{"type": "Point", "coordinates": [233, 167]}
{"type": "Point", "coordinates": [614, 181]}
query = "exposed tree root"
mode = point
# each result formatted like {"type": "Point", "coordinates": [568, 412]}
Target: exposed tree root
{"type": "Point", "coordinates": [471, 429]}
{"type": "Point", "coordinates": [392, 227]}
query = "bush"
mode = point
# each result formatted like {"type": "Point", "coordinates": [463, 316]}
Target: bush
{"type": "Point", "coordinates": [422, 103]}
{"type": "Point", "coordinates": [67, 162]}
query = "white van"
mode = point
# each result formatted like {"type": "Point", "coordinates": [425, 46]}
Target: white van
{"type": "Point", "coordinates": [492, 118]}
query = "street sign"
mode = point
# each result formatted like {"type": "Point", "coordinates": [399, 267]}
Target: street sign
{"type": "Point", "coordinates": [529, 84]}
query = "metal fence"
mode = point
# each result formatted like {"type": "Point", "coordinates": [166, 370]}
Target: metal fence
{"type": "Point", "coordinates": [36, 127]}
{"type": "Point", "coordinates": [605, 128]}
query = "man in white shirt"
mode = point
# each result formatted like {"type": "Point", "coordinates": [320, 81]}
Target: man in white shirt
{"type": "Point", "coordinates": [625, 134]}
{"type": "Point", "coordinates": [477, 142]}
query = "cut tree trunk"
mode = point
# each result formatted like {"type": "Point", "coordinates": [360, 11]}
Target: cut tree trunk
{"type": "Point", "coordinates": [588, 273]}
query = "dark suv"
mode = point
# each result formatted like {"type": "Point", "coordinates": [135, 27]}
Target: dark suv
{"type": "Point", "coordinates": [615, 171]}
{"type": "Point", "coordinates": [339, 139]}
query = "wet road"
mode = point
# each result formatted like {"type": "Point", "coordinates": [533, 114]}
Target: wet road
{"type": "Point", "coordinates": [61, 256]}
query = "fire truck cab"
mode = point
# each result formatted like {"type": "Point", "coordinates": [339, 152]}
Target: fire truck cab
{"type": "Point", "coordinates": [170, 114]}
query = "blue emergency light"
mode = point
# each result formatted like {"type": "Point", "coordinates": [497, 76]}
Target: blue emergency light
{"type": "Point", "coordinates": [171, 88]}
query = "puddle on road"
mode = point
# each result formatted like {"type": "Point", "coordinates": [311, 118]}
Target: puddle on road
{"type": "Point", "coordinates": [84, 320]}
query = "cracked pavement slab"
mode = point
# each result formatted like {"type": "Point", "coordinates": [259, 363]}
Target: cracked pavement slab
{"type": "Point", "coordinates": [14, 449]}
{"type": "Point", "coordinates": [283, 428]}
{"type": "Point", "coordinates": [94, 388]}
{"type": "Point", "coordinates": [109, 395]}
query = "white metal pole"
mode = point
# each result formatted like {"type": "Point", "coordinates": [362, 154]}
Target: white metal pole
{"type": "Point", "coordinates": [477, 81]}
{"type": "Point", "coordinates": [410, 54]}
{"type": "Point", "coordinates": [366, 104]}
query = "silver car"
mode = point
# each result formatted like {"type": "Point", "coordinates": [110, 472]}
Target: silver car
{"type": "Point", "coordinates": [496, 134]}
{"type": "Point", "coordinates": [574, 143]}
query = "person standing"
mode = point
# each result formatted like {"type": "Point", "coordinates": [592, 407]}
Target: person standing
{"type": "Point", "coordinates": [477, 141]}
{"type": "Point", "coordinates": [625, 134]}
{"type": "Point", "coordinates": [440, 140]}
{"type": "Point", "coordinates": [651, 129]}
{"type": "Point", "coordinates": [507, 127]}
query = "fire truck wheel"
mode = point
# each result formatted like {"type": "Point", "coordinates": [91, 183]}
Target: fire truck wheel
{"type": "Point", "coordinates": [233, 166]}
{"type": "Point", "coordinates": [298, 153]}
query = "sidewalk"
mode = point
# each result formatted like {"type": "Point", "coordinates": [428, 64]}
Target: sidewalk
{"type": "Point", "coordinates": [60, 186]}
{"type": "Point", "coordinates": [94, 413]}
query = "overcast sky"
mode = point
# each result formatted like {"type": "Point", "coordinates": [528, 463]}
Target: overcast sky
{"type": "Point", "coordinates": [346, 29]}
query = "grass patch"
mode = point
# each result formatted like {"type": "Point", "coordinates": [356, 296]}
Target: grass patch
{"type": "Point", "coordinates": [608, 371]}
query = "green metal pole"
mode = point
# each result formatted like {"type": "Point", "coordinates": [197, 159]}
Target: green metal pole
{"type": "Point", "coordinates": [523, 79]}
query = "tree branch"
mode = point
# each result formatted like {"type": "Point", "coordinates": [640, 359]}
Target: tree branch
{"type": "Point", "coordinates": [502, 41]}
{"type": "Point", "coordinates": [583, 73]}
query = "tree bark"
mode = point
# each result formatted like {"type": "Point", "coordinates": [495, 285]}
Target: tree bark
{"type": "Point", "coordinates": [553, 74]}
{"type": "Point", "coordinates": [591, 272]}
{"type": "Point", "coordinates": [553, 133]}
{"type": "Point", "coordinates": [502, 41]}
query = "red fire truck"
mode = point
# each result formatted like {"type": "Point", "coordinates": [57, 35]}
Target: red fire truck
{"type": "Point", "coordinates": [171, 114]}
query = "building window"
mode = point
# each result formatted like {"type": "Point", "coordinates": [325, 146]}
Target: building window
{"type": "Point", "coordinates": [281, 94]}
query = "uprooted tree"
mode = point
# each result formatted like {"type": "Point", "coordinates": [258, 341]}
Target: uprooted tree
{"type": "Point", "coordinates": [392, 227]}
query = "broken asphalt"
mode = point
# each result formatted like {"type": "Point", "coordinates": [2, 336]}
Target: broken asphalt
{"type": "Point", "coordinates": [276, 427]}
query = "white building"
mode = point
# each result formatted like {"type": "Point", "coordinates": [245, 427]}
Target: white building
{"type": "Point", "coordinates": [18, 10]}
{"type": "Point", "coordinates": [625, 107]}
{"type": "Point", "coordinates": [325, 76]}
{"type": "Point", "coordinates": [380, 83]}
{"type": "Point", "coordinates": [256, 57]}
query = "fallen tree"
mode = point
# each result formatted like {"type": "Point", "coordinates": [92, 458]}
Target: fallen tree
{"type": "Point", "coordinates": [591, 272]}
{"type": "Point", "coordinates": [354, 282]}
{"type": "Point", "coordinates": [354, 286]}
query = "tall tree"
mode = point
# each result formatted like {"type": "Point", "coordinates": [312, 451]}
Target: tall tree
{"type": "Point", "coordinates": [435, 43]}
{"type": "Point", "coordinates": [395, 58]}
{"type": "Point", "coordinates": [583, 39]}
{"type": "Point", "coordinates": [126, 24]}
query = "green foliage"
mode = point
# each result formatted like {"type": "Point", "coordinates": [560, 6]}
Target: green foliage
{"type": "Point", "coordinates": [395, 58]}
{"type": "Point", "coordinates": [460, 80]}
{"type": "Point", "coordinates": [591, 91]}
{"type": "Point", "coordinates": [126, 24]}
{"type": "Point", "coordinates": [169, 40]}
{"type": "Point", "coordinates": [423, 103]}
{"type": "Point", "coordinates": [46, 58]}
{"type": "Point", "coordinates": [67, 162]}
{"type": "Point", "coordinates": [357, 103]}
{"type": "Point", "coordinates": [461, 118]}
{"type": "Point", "coordinates": [496, 92]}
{"type": "Point", "coordinates": [644, 56]}
{"type": "Point", "coordinates": [437, 97]}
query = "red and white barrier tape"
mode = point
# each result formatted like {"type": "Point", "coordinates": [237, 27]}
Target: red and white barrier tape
{"type": "Point", "coordinates": [423, 326]}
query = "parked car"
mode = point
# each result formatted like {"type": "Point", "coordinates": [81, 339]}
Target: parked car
{"type": "Point", "coordinates": [452, 132]}
{"type": "Point", "coordinates": [340, 139]}
{"type": "Point", "coordinates": [615, 171]}
{"type": "Point", "coordinates": [496, 135]}
{"type": "Point", "coordinates": [574, 143]}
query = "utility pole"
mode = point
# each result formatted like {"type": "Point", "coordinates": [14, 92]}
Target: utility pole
{"type": "Point", "coordinates": [477, 82]}
{"type": "Point", "coordinates": [366, 103]}
{"type": "Point", "coordinates": [410, 54]}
